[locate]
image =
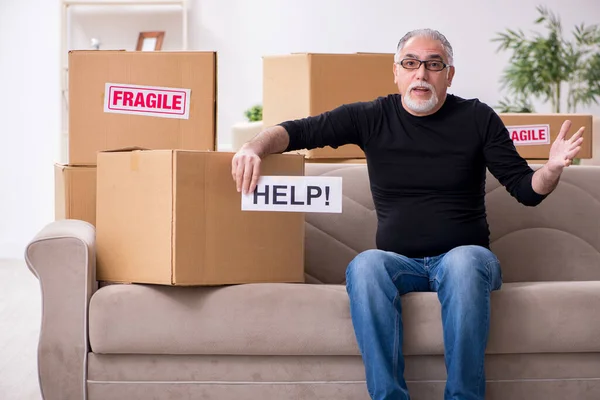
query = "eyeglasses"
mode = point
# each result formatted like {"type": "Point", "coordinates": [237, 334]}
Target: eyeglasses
{"type": "Point", "coordinates": [431, 65]}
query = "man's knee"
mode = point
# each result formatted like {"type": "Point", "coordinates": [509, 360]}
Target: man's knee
{"type": "Point", "coordinates": [367, 267]}
{"type": "Point", "coordinates": [471, 263]}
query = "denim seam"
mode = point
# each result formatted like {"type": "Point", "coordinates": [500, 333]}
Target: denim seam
{"type": "Point", "coordinates": [487, 318]}
{"type": "Point", "coordinates": [489, 273]}
{"type": "Point", "coordinates": [480, 376]}
{"type": "Point", "coordinates": [396, 343]}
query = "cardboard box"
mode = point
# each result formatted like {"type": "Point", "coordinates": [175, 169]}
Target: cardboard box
{"type": "Point", "coordinates": [308, 84]}
{"type": "Point", "coordinates": [533, 134]}
{"type": "Point", "coordinates": [174, 218]}
{"type": "Point", "coordinates": [75, 192]}
{"type": "Point", "coordinates": [154, 100]}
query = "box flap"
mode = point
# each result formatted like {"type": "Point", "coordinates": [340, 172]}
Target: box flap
{"type": "Point", "coordinates": [134, 205]}
{"type": "Point", "coordinates": [124, 149]}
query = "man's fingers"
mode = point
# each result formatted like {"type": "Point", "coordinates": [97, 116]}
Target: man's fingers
{"type": "Point", "coordinates": [255, 176]}
{"type": "Point", "coordinates": [245, 170]}
{"type": "Point", "coordinates": [571, 154]}
{"type": "Point", "coordinates": [247, 175]}
{"type": "Point", "coordinates": [576, 143]}
{"type": "Point", "coordinates": [239, 174]}
{"type": "Point", "coordinates": [563, 130]}
{"type": "Point", "coordinates": [577, 134]}
{"type": "Point", "coordinates": [234, 163]}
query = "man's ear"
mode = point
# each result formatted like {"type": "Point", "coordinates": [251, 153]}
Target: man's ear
{"type": "Point", "coordinates": [394, 67]}
{"type": "Point", "coordinates": [450, 75]}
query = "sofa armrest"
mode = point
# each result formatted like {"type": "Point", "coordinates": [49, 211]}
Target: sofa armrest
{"type": "Point", "coordinates": [62, 257]}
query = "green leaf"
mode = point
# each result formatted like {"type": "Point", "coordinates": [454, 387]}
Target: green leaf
{"type": "Point", "coordinates": [543, 63]}
{"type": "Point", "coordinates": [254, 113]}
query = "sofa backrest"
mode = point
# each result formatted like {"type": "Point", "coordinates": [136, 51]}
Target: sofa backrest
{"type": "Point", "coordinates": [559, 240]}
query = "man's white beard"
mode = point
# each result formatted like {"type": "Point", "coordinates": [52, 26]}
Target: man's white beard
{"type": "Point", "coordinates": [420, 106]}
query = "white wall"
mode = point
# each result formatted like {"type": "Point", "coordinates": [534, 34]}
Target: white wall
{"type": "Point", "coordinates": [241, 31]}
{"type": "Point", "coordinates": [29, 119]}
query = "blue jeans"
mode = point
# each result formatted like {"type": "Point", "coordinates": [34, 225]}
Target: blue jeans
{"type": "Point", "coordinates": [463, 279]}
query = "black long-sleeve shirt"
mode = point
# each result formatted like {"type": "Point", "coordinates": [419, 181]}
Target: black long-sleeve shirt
{"type": "Point", "coordinates": [427, 174]}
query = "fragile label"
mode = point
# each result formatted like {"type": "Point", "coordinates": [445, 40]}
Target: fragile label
{"type": "Point", "coordinates": [320, 194]}
{"type": "Point", "coordinates": [152, 101]}
{"type": "Point", "coordinates": [523, 135]}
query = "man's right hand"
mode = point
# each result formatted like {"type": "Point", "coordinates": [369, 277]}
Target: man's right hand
{"type": "Point", "coordinates": [245, 165]}
{"type": "Point", "coordinates": [245, 169]}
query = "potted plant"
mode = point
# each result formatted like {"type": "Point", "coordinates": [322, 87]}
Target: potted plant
{"type": "Point", "coordinates": [254, 113]}
{"type": "Point", "coordinates": [243, 131]}
{"type": "Point", "coordinates": [550, 67]}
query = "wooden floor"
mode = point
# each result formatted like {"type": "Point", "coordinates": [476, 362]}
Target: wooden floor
{"type": "Point", "coordinates": [20, 310]}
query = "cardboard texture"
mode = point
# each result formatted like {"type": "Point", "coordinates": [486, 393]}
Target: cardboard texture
{"type": "Point", "coordinates": [75, 193]}
{"type": "Point", "coordinates": [174, 218]}
{"type": "Point", "coordinates": [555, 121]}
{"type": "Point", "coordinates": [301, 85]}
{"type": "Point", "coordinates": [92, 129]}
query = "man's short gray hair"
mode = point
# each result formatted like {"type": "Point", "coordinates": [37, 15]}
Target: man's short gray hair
{"type": "Point", "coordinates": [428, 33]}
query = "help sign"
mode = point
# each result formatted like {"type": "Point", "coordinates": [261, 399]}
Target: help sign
{"type": "Point", "coordinates": [321, 194]}
{"type": "Point", "coordinates": [152, 101]}
{"type": "Point", "coordinates": [523, 135]}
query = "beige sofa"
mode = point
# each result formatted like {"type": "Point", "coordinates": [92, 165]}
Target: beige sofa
{"type": "Point", "coordinates": [295, 341]}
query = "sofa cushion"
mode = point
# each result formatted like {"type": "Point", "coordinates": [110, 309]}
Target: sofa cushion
{"type": "Point", "coordinates": [304, 319]}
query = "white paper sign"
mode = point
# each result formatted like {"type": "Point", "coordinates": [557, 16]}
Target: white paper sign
{"type": "Point", "coordinates": [319, 194]}
{"type": "Point", "coordinates": [151, 101]}
{"type": "Point", "coordinates": [523, 135]}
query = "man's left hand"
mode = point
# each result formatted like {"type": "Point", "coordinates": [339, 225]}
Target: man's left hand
{"type": "Point", "coordinates": [563, 150]}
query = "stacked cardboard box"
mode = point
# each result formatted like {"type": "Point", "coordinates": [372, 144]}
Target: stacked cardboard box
{"type": "Point", "coordinates": [75, 192]}
{"type": "Point", "coordinates": [154, 100]}
{"type": "Point", "coordinates": [174, 217]}
{"type": "Point", "coordinates": [168, 214]}
{"type": "Point", "coordinates": [308, 84]}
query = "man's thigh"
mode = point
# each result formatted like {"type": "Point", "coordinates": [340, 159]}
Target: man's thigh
{"type": "Point", "coordinates": [407, 274]}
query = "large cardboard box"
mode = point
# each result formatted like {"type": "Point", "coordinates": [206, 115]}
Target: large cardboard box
{"type": "Point", "coordinates": [533, 134]}
{"type": "Point", "coordinates": [308, 84]}
{"type": "Point", "coordinates": [174, 217]}
{"type": "Point", "coordinates": [154, 100]}
{"type": "Point", "coordinates": [75, 192]}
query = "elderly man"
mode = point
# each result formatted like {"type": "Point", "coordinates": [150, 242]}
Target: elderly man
{"type": "Point", "coordinates": [427, 153]}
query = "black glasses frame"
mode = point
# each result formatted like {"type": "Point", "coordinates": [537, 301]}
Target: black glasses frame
{"type": "Point", "coordinates": [426, 62]}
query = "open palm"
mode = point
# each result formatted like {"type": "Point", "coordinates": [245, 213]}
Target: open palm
{"type": "Point", "coordinates": [564, 150]}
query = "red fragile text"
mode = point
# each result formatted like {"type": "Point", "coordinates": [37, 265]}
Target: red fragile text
{"type": "Point", "coordinates": [147, 99]}
{"type": "Point", "coordinates": [529, 134]}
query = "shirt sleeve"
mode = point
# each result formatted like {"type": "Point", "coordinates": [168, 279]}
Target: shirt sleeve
{"type": "Point", "coordinates": [347, 124]}
{"type": "Point", "coordinates": [506, 164]}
